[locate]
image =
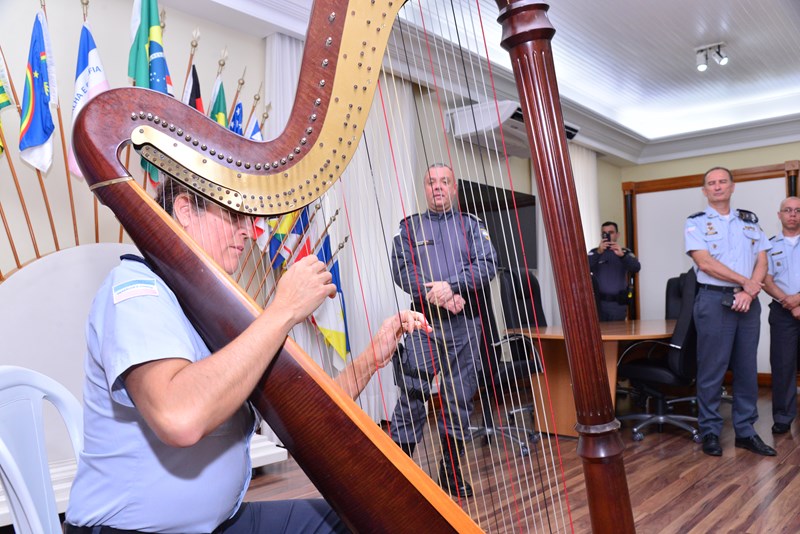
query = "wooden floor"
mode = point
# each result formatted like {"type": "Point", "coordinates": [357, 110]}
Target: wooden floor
{"type": "Point", "coordinates": [674, 487]}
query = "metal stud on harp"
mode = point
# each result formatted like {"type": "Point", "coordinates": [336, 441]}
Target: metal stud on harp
{"type": "Point", "coordinates": [334, 100]}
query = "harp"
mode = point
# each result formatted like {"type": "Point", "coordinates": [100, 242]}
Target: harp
{"type": "Point", "coordinates": [344, 49]}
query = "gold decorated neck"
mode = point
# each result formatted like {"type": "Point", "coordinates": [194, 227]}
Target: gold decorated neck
{"type": "Point", "coordinates": [296, 179]}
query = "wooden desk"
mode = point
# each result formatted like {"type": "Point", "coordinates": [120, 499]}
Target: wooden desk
{"type": "Point", "coordinates": [554, 354]}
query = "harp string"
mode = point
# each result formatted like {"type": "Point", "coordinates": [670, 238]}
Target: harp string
{"type": "Point", "coordinates": [351, 231]}
{"type": "Point", "coordinates": [516, 261]}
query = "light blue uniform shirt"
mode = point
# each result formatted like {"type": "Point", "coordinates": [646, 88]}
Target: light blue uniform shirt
{"type": "Point", "coordinates": [734, 242]}
{"type": "Point", "coordinates": [127, 478]}
{"type": "Point", "coordinates": [784, 264]}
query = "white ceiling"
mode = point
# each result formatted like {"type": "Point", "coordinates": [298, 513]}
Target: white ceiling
{"type": "Point", "coordinates": [626, 68]}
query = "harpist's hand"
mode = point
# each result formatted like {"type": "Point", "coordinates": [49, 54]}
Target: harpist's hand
{"type": "Point", "coordinates": [303, 288]}
{"type": "Point", "coordinates": [392, 330]}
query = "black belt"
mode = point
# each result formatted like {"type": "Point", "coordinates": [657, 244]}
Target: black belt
{"type": "Point", "coordinates": [608, 298]}
{"type": "Point", "coordinates": [721, 289]}
{"type": "Point", "coordinates": [100, 529]}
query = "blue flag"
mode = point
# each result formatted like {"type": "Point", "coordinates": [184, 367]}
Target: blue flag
{"type": "Point", "coordinates": [36, 122]}
{"type": "Point", "coordinates": [237, 118]}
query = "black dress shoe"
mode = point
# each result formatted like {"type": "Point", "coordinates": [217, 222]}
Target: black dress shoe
{"type": "Point", "coordinates": [453, 483]}
{"type": "Point", "coordinates": [754, 444]}
{"type": "Point", "coordinates": [780, 428]}
{"type": "Point", "coordinates": [711, 445]}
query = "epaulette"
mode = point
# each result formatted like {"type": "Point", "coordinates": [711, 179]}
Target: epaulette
{"type": "Point", "coordinates": [773, 238]}
{"type": "Point", "coordinates": [473, 216]}
{"type": "Point", "coordinates": [698, 214]}
{"type": "Point", "coordinates": [748, 216]}
{"type": "Point", "coordinates": [408, 219]}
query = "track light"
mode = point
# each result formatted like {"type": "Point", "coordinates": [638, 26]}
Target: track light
{"type": "Point", "coordinates": [702, 60]}
{"type": "Point", "coordinates": [716, 51]}
{"type": "Point", "coordinates": [720, 56]}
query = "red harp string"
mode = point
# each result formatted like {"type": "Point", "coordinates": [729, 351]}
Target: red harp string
{"type": "Point", "coordinates": [537, 499]}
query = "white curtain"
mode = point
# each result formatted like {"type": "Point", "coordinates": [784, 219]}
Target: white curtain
{"type": "Point", "coordinates": [584, 170]}
{"type": "Point", "coordinates": [283, 57]}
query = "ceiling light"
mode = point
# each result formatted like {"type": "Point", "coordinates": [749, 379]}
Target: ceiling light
{"type": "Point", "coordinates": [719, 55]}
{"type": "Point", "coordinates": [702, 60]}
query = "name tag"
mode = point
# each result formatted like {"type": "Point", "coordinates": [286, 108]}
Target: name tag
{"type": "Point", "coordinates": [134, 288]}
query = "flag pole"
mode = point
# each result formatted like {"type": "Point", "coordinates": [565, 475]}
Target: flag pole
{"type": "Point", "coordinates": [325, 231]}
{"type": "Point", "coordinates": [292, 252]}
{"type": "Point", "coordinates": [14, 173]}
{"type": "Point", "coordinates": [95, 204]}
{"type": "Point", "coordinates": [256, 98]}
{"type": "Point", "coordinates": [236, 96]}
{"type": "Point", "coordinates": [336, 252]}
{"type": "Point", "coordinates": [16, 179]}
{"type": "Point", "coordinates": [270, 267]}
{"type": "Point", "coordinates": [303, 235]}
{"type": "Point", "coordinates": [194, 43]}
{"type": "Point", "coordinates": [264, 117]}
{"type": "Point", "coordinates": [64, 143]}
{"type": "Point", "coordinates": [2, 212]}
{"type": "Point", "coordinates": [265, 253]}
{"type": "Point", "coordinates": [220, 67]}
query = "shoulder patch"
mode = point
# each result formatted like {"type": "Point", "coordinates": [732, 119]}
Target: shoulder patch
{"type": "Point", "coordinates": [134, 288]}
{"type": "Point", "coordinates": [695, 215]}
{"type": "Point", "coordinates": [748, 216]}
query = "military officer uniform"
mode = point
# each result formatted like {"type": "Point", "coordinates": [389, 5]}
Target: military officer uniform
{"type": "Point", "coordinates": [784, 267]}
{"type": "Point", "coordinates": [453, 247]}
{"type": "Point", "coordinates": [726, 338]}
{"type": "Point", "coordinates": [611, 280]}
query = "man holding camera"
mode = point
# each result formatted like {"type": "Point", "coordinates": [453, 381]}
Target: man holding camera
{"type": "Point", "coordinates": [612, 266]}
{"type": "Point", "coordinates": [729, 250]}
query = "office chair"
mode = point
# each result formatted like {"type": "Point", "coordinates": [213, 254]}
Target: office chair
{"type": "Point", "coordinates": [678, 368]}
{"type": "Point", "coordinates": [24, 469]}
{"type": "Point", "coordinates": [501, 378]}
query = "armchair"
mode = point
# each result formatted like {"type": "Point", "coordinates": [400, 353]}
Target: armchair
{"type": "Point", "coordinates": [678, 368]}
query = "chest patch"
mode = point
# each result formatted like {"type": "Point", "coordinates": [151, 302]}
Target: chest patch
{"type": "Point", "coordinates": [134, 288]}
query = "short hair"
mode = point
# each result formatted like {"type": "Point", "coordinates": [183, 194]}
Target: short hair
{"type": "Point", "coordinates": [712, 169]}
{"type": "Point", "coordinates": [169, 189]}
{"type": "Point", "coordinates": [439, 166]}
{"type": "Point", "coordinates": [610, 223]}
{"type": "Point", "coordinates": [783, 202]}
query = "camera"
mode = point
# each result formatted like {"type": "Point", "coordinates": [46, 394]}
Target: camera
{"type": "Point", "coordinates": [606, 236]}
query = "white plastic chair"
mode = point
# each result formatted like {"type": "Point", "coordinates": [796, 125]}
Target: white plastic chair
{"type": "Point", "coordinates": [24, 469]}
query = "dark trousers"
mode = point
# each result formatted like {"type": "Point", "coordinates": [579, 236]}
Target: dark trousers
{"type": "Point", "coordinates": [784, 332]}
{"type": "Point", "coordinates": [726, 339]}
{"type": "Point", "coordinates": [313, 516]}
{"type": "Point", "coordinates": [611, 311]}
{"type": "Point", "coordinates": [452, 353]}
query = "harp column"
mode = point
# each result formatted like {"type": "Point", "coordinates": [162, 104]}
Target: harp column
{"type": "Point", "coordinates": [527, 33]}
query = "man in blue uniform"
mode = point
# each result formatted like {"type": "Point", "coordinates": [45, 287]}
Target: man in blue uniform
{"type": "Point", "coordinates": [783, 285]}
{"type": "Point", "coordinates": [612, 266]}
{"type": "Point", "coordinates": [729, 250]}
{"type": "Point", "coordinates": [444, 259]}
